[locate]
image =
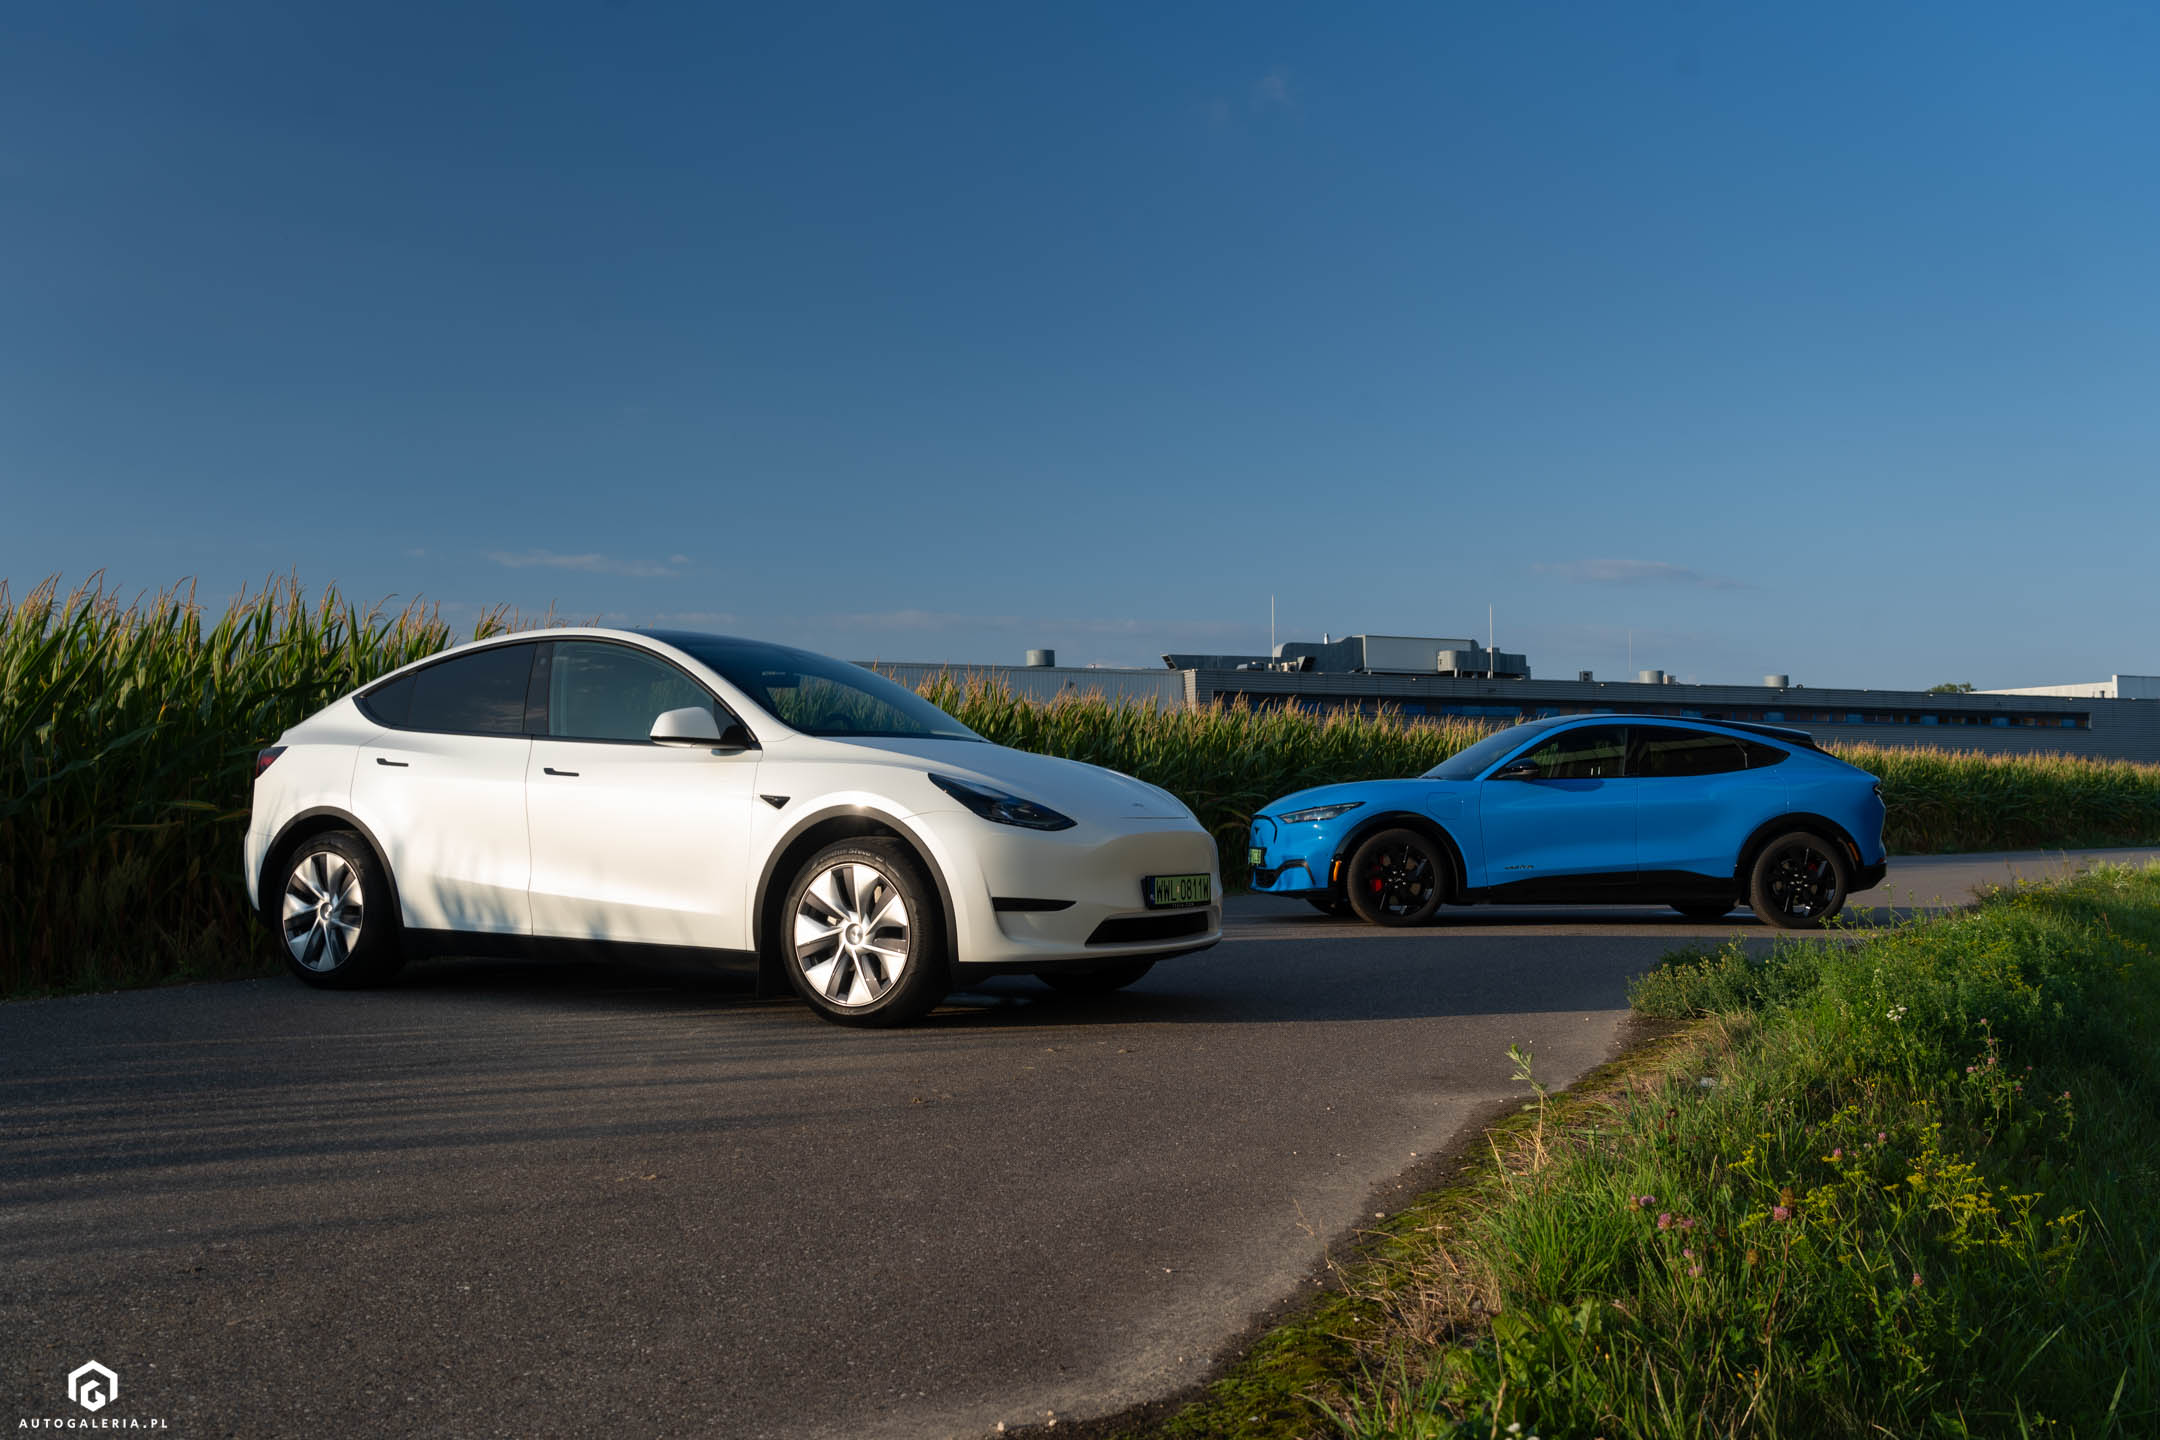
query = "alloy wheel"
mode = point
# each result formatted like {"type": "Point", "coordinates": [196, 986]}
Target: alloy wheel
{"type": "Point", "coordinates": [852, 934]}
{"type": "Point", "coordinates": [1399, 879]}
{"type": "Point", "coordinates": [323, 911]}
{"type": "Point", "coordinates": [1804, 881]}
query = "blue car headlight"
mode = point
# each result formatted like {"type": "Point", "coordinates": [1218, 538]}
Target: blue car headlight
{"type": "Point", "coordinates": [1318, 812]}
{"type": "Point", "coordinates": [1002, 807]}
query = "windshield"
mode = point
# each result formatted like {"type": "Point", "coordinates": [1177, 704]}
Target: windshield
{"type": "Point", "coordinates": [1469, 764]}
{"type": "Point", "coordinates": [821, 696]}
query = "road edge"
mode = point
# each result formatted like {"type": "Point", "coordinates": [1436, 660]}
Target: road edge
{"type": "Point", "coordinates": [1263, 1383]}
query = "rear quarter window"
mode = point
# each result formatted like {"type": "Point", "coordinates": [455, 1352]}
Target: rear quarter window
{"type": "Point", "coordinates": [482, 693]}
{"type": "Point", "coordinates": [388, 704]}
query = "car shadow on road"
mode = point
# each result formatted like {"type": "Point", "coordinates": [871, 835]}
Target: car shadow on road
{"type": "Point", "coordinates": [1653, 920]}
{"type": "Point", "coordinates": [1273, 967]}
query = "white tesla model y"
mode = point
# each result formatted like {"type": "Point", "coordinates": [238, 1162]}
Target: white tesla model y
{"type": "Point", "coordinates": [667, 793]}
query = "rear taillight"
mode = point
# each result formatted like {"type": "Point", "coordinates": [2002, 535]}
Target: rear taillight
{"type": "Point", "coordinates": [267, 757]}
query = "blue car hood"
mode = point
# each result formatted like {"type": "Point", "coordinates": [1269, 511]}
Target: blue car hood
{"type": "Point", "coordinates": [1406, 793]}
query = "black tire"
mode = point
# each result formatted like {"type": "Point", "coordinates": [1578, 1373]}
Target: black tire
{"type": "Point", "coordinates": [890, 992]}
{"type": "Point", "coordinates": [1398, 877]}
{"type": "Point", "coordinates": [1799, 881]}
{"type": "Point", "coordinates": [1328, 904]}
{"type": "Point", "coordinates": [1095, 982]}
{"type": "Point", "coordinates": [332, 914]}
{"type": "Point", "coordinates": [1706, 909]}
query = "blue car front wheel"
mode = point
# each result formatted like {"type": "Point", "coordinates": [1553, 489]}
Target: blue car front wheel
{"type": "Point", "coordinates": [1398, 877]}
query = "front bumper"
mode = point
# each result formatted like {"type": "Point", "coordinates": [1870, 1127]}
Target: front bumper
{"type": "Point", "coordinates": [1093, 874]}
{"type": "Point", "coordinates": [1289, 860]}
{"type": "Point", "coordinates": [1867, 877]}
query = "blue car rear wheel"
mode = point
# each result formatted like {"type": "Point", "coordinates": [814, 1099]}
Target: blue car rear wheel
{"type": "Point", "coordinates": [1800, 882]}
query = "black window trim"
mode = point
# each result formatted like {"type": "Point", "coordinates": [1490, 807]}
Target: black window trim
{"type": "Point", "coordinates": [1588, 722]}
{"type": "Point", "coordinates": [1638, 734]}
{"type": "Point", "coordinates": [414, 672]}
{"type": "Point", "coordinates": [536, 712]}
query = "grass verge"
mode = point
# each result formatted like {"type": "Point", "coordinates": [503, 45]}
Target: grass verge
{"type": "Point", "coordinates": [1907, 1185]}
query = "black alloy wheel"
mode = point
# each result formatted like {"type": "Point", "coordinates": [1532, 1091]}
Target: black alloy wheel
{"type": "Point", "coordinates": [1398, 877]}
{"type": "Point", "coordinates": [1799, 882]}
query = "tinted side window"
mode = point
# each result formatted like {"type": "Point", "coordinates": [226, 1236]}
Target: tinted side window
{"type": "Point", "coordinates": [478, 694]}
{"type": "Point", "coordinates": [1595, 752]}
{"type": "Point", "coordinates": [598, 691]}
{"type": "Point", "coordinates": [1760, 755]}
{"type": "Point", "coordinates": [389, 704]}
{"type": "Point", "coordinates": [1664, 754]}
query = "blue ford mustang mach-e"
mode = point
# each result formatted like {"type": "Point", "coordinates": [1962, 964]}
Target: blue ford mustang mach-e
{"type": "Point", "coordinates": [1700, 815]}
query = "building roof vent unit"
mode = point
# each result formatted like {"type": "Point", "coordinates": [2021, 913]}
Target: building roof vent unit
{"type": "Point", "coordinates": [1473, 660]}
{"type": "Point", "coordinates": [1585, 677]}
{"type": "Point", "coordinates": [1778, 682]}
{"type": "Point", "coordinates": [1041, 659]}
{"type": "Point", "coordinates": [1650, 677]}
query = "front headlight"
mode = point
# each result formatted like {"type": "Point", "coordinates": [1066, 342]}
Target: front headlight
{"type": "Point", "coordinates": [1000, 807]}
{"type": "Point", "coordinates": [1318, 812]}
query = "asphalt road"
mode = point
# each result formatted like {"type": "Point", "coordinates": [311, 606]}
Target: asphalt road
{"type": "Point", "coordinates": [505, 1200]}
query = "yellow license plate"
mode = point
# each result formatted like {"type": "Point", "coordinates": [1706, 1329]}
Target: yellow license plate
{"type": "Point", "coordinates": [1178, 889]}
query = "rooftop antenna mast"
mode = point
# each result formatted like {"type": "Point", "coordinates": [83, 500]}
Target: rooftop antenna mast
{"type": "Point", "coordinates": [1271, 627]}
{"type": "Point", "coordinates": [1492, 661]}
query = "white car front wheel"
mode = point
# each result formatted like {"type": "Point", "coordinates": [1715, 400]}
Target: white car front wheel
{"type": "Point", "coordinates": [865, 936]}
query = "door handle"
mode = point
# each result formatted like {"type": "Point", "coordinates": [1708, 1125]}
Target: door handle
{"type": "Point", "coordinates": [394, 764]}
{"type": "Point", "coordinates": [566, 774]}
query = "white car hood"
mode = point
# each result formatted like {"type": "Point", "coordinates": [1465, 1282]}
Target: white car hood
{"type": "Point", "coordinates": [1081, 791]}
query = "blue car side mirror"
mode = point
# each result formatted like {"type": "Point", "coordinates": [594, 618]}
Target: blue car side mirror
{"type": "Point", "coordinates": [1519, 770]}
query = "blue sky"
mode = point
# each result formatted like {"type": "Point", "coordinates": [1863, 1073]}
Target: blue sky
{"type": "Point", "coordinates": [1811, 338]}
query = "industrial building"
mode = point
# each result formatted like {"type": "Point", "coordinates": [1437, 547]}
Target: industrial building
{"type": "Point", "coordinates": [1438, 677]}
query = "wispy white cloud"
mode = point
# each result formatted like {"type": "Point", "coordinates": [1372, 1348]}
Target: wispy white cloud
{"type": "Point", "coordinates": [1270, 92]}
{"type": "Point", "coordinates": [589, 563]}
{"type": "Point", "coordinates": [677, 619]}
{"type": "Point", "coordinates": [928, 621]}
{"type": "Point", "coordinates": [1638, 573]}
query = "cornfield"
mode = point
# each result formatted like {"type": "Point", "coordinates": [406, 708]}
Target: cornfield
{"type": "Point", "coordinates": [128, 730]}
{"type": "Point", "coordinates": [127, 738]}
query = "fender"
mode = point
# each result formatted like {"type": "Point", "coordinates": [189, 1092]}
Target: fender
{"type": "Point", "coordinates": [1407, 820]}
{"type": "Point", "coordinates": [1769, 830]}
{"type": "Point", "coordinates": [304, 824]}
{"type": "Point", "coordinates": [770, 979]}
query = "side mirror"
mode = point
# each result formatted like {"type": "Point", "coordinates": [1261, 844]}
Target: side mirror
{"type": "Point", "coordinates": [736, 737]}
{"type": "Point", "coordinates": [691, 725]}
{"type": "Point", "coordinates": [1518, 770]}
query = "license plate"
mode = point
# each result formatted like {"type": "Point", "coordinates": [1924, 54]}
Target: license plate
{"type": "Point", "coordinates": [1256, 857]}
{"type": "Point", "coordinates": [1178, 890]}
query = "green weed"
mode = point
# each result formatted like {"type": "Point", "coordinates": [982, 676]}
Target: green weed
{"type": "Point", "coordinates": [1915, 1196]}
